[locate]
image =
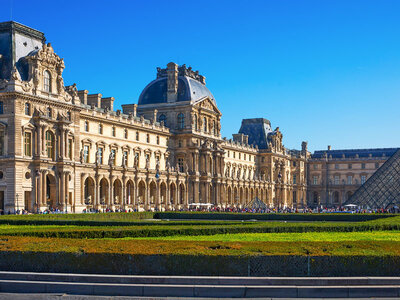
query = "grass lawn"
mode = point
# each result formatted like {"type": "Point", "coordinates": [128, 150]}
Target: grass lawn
{"type": "Point", "coordinates": [289, 237]}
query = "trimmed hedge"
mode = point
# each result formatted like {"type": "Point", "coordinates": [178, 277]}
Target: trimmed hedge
{"type": "Point", "coordinates": [157, 230]}
{"type": "Point", "coordinates": [270, 216]}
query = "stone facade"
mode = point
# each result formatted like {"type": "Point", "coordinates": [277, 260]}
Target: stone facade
{"type": "Point", "coordinates": [64, 148]}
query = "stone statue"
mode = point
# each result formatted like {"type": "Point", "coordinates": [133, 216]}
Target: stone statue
{"type": "Point", "coordinates": [15, 74]}
{"type": "Point", "coordinates": [97, 157]}
{"type": "Point", "coordinates": [124, 158]}
{"type": "Point", "coordinates": [111, 159]}
{"type": "Point", "coordinates": [60, 84]}
{"type": "Point", "coordinates": [147, 163]}
{"type": "Point", "coordinates": [81, 156]}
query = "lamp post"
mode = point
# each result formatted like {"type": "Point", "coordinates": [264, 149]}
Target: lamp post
{"type": "Point", "coordinates": [17, 196]}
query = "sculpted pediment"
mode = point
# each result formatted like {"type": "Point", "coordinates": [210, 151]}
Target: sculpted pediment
{"type": "Point", "coordinates": [206, 103]}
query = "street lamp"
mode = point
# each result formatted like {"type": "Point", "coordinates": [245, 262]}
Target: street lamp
{"type": "Point", "coordinates": [17, 195]}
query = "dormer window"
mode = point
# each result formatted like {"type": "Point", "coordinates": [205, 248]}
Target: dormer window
{"type": "Point", "coordinates": [47, 81]}
{"type": "Point", "coordinates": [162, 118]}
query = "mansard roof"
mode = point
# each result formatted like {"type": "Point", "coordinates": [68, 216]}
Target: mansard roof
{"type": "Point", "coordinates": [353, 153]}
{"type": "Point", "coordinates": [191, 87]}
{"type": "Point", "coordinates": [258, 130]}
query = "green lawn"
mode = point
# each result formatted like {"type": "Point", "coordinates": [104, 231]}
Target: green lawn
{"type": "Point", "coordinates": [290, 237]}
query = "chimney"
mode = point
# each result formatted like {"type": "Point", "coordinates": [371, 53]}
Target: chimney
{"type": "Point", "coordinates": [329, 147]}
{"type": "Point", "coordinates": [172, 82]}
{"type": "Point", "coordinates": [108, 103]}
{"type": "Point", "coordinates": [94, 99]}
{"type": "Point", "coordinates": [134, 110]}
{"type": "Point", "coordinates": [83, 96]}
{"type": "Point", "coordinates": [155, 115]}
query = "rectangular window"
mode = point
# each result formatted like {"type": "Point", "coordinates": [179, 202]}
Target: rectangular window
{"type": "Point", "coordinates": [148, 138]}
{"type": "Point", "coordinates": [70, 148]}
{"type": "Point", "coordinates": [126, 157]}
{"type": "Point", "coordinates": [233, 154]}
{"type": "Point", "coordinates": [86, 153]}
{"type": "Point", "coordinates": [362, 166]}
{"type": "Point", "coordinates": [294, 197]}
{"type": "Point", "coordinates": [113, 131]}
{"type": "Point", "coordinates": [100, 129]}
{"type": "Point", "coordinates": [1, 107]}
{"type": "Point", "coordinates": [28, 143]}
{"type": "Point", "coordinates": [240, 155]}
{"type": "Point", "coordinates": [349, 179]}
{"type": "Point", "coordinates": [315, 180]}
{"type": "Point", "coordinates": [158, 140]}
{"type": "Point", "coordinates": [363, 179]}
{"type": "Point", "coordinates": [228, 153]}
{"type": "Point", "coordinates": [350, 166]}
{"type": "Point", "coordinates": [114, 155]}
{"type": "Point", "coordinates": [315, 167]}
{"type": "Point", "coordinates": [336, 166]}
{"type": "Point", "coordinates": [337, 180]}
{"type": "Point", "coordinates": [376, 165]}
{"type": "Point", "coordinates": [137, 135]}
{"type": "Point", "coordinates": [262, 159]}
{"type": "Point", "coordinates": [294, 164]}
{"type": "Point", "coordinates": [100, 155]}
{"type": "Point", "coordinates": [294, 178]}
{"type": "Point", "coordinates": [180, 164]}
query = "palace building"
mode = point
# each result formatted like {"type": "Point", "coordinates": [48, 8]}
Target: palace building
{"type": "Point", "coordinates": [65, 148]}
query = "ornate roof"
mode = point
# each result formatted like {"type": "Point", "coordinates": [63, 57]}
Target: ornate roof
{"type": "Point", "coordinates": [191, 87]}
{"type": "Point", "coordinates": [352, 153]}
{"type": "Point", "coordinates": [258, 130]}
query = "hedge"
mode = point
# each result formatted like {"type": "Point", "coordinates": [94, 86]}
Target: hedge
{"type": "Point", "coordinates": [270, 216]}
{"type": "Point", "coordinates": [200, 229]}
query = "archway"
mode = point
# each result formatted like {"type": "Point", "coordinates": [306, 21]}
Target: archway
{"type": "Point", "coordinates": [153, 193]}
{"type": "Point", "coordinates": [172, 193]}
{"type": "Point", "coordinates": [181, 194]}
{"type": "Point", "coordinates": [88, 191]}
{"type": "Point", "coordinates": [142, 193]}
{"type": "Point", "coordinates": [117, 192]}
{"type": "Point", "coordinates": [104, 195]}
{"type": "Point", "coordinates": [163, 193]}
{"type": "Point", "coordinates": [130, 192]}
{"type": "Point", "coordinates": [51, 192]}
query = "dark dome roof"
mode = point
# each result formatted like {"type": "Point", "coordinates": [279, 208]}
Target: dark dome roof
{"type": "Point", "coordinates": [189, 89]}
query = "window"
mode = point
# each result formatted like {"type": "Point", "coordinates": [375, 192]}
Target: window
{"type": "Point", "coordinates": [27, 109]}
{"type": "Point", "coordinates": [162, 118]}
{"type": "Point", "coordinates": [50, 144]}
{"type": "Point", "coordinates": [114, 155]}
{"type": "Point", "coordinates": [180, 164]}
{"type": "Point", "coordinates": [294, 164]}
{"type": "Point", "coordinates": [180, 143]}
{"type": "Point", "coordinates": [315, 180]}
{"type": "Point", "coordinates": [100, 155]}
{"type": "Point", "coordinates": [70, 148]}
{"type": "Point", "coordinates": [234, 154]}
{"type": "Point", "coordinates": [1, 107]}
{"type": "Point", "coordinates": [337, 180]}
{"type": "Point", "coordinates": [113, 130]}
{"type": "Point", "coordinates": [349, 179]}
{"type": "Point", "coordinates": [100, 129]}
{"type": "Point", "coordinates": [262, 159]}
{"type": "Point", "coordinates": [240, 154]}
{"type": "Point", "coordinates": [1, 142]}
{"type": "Point", "coordinates": [49, 112]}
{"type": "Point", "coordinates": [28, 143]}
{"type": "Point", "coordinates": [47, 81]}
{"type": "Point", "coordinates": [126, 133]}
{"type": "Point", "coordinates": [336, 166]}
{"type": "Point", "coordinates": [294, 197]}
{"type": "Point", "coordinates": [181, 121]}
{"type": "Point", "coordinates": [86, 126]}
{"type": "Point", "coordinates": [362, 166]}
{"type": "Point", "coordinates": [148, 138]}
{"type": "Point", "coordinates": [294, 178]}
{"type": "Point", "coordinates": [350, 166]}
{"type": "Point", "coordinates": [363, 179]}
{"type": "Point", "coordinates": [244, 156]}
{"type": "Point", "coordinates": [315, 167]}
{"type": "Point", "coordinates": [68, 115]}
{"type": "Point", "coordinates": [158, 140]}
{"type": "Point", "coordinates": [376, 165]}
{"type": "Point", "coordinates": [137, 135]}
{"type": "Point", "coordinates": [195, 122]}
{"type": "Point", "coordinates": [214, 128]}
{"type": "Point", "coordinates": [86, 154]}
{"type": "Point", "coordinates": [205, 124]}
{"type": "Point", "coordinates": [228, 153]}
{"type": "Point", "coordinates": [125, 157]}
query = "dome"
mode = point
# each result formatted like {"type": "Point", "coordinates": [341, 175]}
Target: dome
{"type": "Point", "coordinates": [189, 89]}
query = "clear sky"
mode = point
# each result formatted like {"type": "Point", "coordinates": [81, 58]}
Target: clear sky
{"type": "Point", "coordinates": [327, 72]}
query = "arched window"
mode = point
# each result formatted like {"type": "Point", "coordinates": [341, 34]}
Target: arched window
{"type": "Point", "coordinates": [47, 81]}
{"type": "Point", "coordinates": [205, 124]}
{"type": "Point", "coordinates": [50, 144]}
{"type": "Point", "coordinates": [163, 118]}
{"type": "Point", "coordinates": [181, 121]}
{"type": "Point", "coordinates": [49, 112]}
{"type": "Point", "coordinates": [27, 109]}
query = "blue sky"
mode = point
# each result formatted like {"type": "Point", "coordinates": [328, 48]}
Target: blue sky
{"type": "Point", "coordinates": [327, 72]}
